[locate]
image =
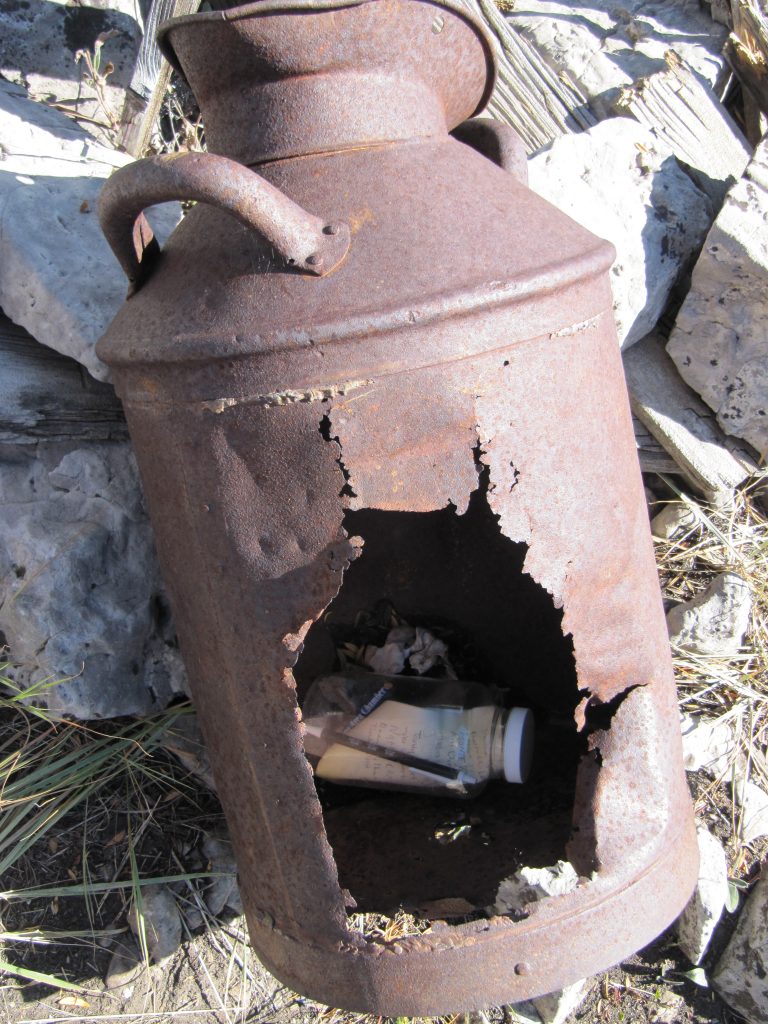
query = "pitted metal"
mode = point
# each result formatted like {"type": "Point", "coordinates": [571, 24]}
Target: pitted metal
{"type": "Point", "coordinates": [442, 421]}
{"type": "Point", "coordinates": [299, 241]}
{"type": "Point", "coordinates": [331, 74]}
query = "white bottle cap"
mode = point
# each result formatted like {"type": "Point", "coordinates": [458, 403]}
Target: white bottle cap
{"type": "Point", "coordinates": [518, 744]}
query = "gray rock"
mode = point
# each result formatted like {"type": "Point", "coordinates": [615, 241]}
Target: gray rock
{"type": "Point", "coordinates": [553, 1008]}
{"type": "Point", "coordinates": [162, 921]}
{"type": "Point", "coordinates": [604, 46]}
{"type": "Point", "coordinates": [80, 597]}
{"type": "Point", "coordinates": [193, 918]}
{"type": "Point", "coordinates": [621, 183]}
{"type": "Point", "coordinates": [718, 341]}
{"type": "Point", "coordinates": [741, 974]}
{"type": "Point", "coordinates": [714, 623]}
{"type": "Point", "coordinates": [557, 1007]}
{"type": "Point", "coordinates": [223, 891]}
{"type": "Point", "coordinates": [522, 1013]}
{"type": "Point", "coordinates": [58, 277]}
{"type": "Point", "coordinates": [125, 965]}
{"type": "Point", "coordinates": [674, 519]}
{"type": "Point", "coordinates": [697, 923]}
{"type": "Point", "coordinates": [720, 11]}
{"type": "Point", "coordinates": [39, 42]}
{"type": "Point", "coordinates": [669, 1008]}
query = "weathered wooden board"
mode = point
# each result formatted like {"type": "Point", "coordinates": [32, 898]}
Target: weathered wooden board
{"type": "Point", "coordinates": [653, 458]}
{"type": "Point", "coordinates": [712, 463]}
{"type": "Point", "coordinates": [747, 48]}
{"type": "Point", "coordinates": [150, 78]}
{"type": "Point", "coordinates": [46, 395]}
{"type": "Point", "coordinates": [539, 104]}
{"type": "Point", "coordinates": [698, 129]}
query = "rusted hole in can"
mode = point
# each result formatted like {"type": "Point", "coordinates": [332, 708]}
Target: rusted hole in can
{"type": "Point", "coordinates": [462, 574]}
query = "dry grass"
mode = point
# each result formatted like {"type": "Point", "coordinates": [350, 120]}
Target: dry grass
{"type": "Point", "coordinates": [88, 816]}
{"type": "Point", "coordinates": [731, 538]}
{"type": "Point", "coordinates": [380, 928]}
{"type": "Point", "coordinates": [179, 128]}
{"type": "Point", "coordinates": [733, 690]}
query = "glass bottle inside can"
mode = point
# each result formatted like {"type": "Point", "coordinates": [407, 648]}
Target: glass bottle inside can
{"type": "Point", "coordinates": [442, 737]}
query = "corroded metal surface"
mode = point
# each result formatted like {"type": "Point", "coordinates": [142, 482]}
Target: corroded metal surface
{"type": "Point", "coordinates": [442, 421]}
{"type": "Point", "coordinates": [300, 241]}
{"type": "Point", "coordinates": [330, 76]}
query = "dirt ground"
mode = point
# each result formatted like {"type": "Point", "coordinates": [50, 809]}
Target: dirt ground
{"type": "Point", "coordinates": [215, 978]}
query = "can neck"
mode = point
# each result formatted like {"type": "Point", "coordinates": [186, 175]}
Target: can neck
{"type": "Point", "coordinates": [323, 113]}
{"type": "Point", "coordinates": [286, 78]}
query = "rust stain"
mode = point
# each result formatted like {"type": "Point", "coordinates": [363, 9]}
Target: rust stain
{"type": "Point", "coordinates": [359, 219]}
{"type": "Point", "coordinates": [286, 397]}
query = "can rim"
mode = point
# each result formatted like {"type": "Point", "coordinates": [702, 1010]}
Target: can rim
{"type": "Point", "coordinates": [267, 7]}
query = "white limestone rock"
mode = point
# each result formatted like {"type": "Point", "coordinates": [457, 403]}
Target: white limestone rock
{"type": "Point", "coordinates": [39, 43]}
{"type": "Point", "coordinates": [80, 593]}
{"type": "Point", "coordinates": [526, 886]}
{"type": "Point", "coordinates": [741, 974]}
{"type": "Point", "coordinates": [622, 184]}
{"type": "Point", "coordinates": [753, 804]}
{"type": "Point", "coordinates": [708, 744]}
{"type": "Point", "coordinates": [697, 923]}
{"type": "Point", "coordinates": [714, 623]}
{"type": "Point", "coordinates": [58, 277]}
{"type": "Point", "coordinates": [604, 46]}
{"type": "Point", "coordinates": [523, 1013]}
{"type": "Point", "coordinates": [718, 342]}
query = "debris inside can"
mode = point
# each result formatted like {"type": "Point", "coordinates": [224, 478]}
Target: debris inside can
{"type": "Point", "coordinates": [439, 736]}
{"type": "Point", "coordinates": [384, 642]}
{"type": "Point", "coordinates": [529, 884]}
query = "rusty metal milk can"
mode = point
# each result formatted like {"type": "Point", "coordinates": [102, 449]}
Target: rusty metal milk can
{"type": "Point", "coordinates": [371, 365]}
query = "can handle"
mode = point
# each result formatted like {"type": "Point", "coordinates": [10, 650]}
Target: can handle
{"type": "Point", "coordinates": [303, 241]}
{"type": "Point", "coordinates": [497, 141]}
